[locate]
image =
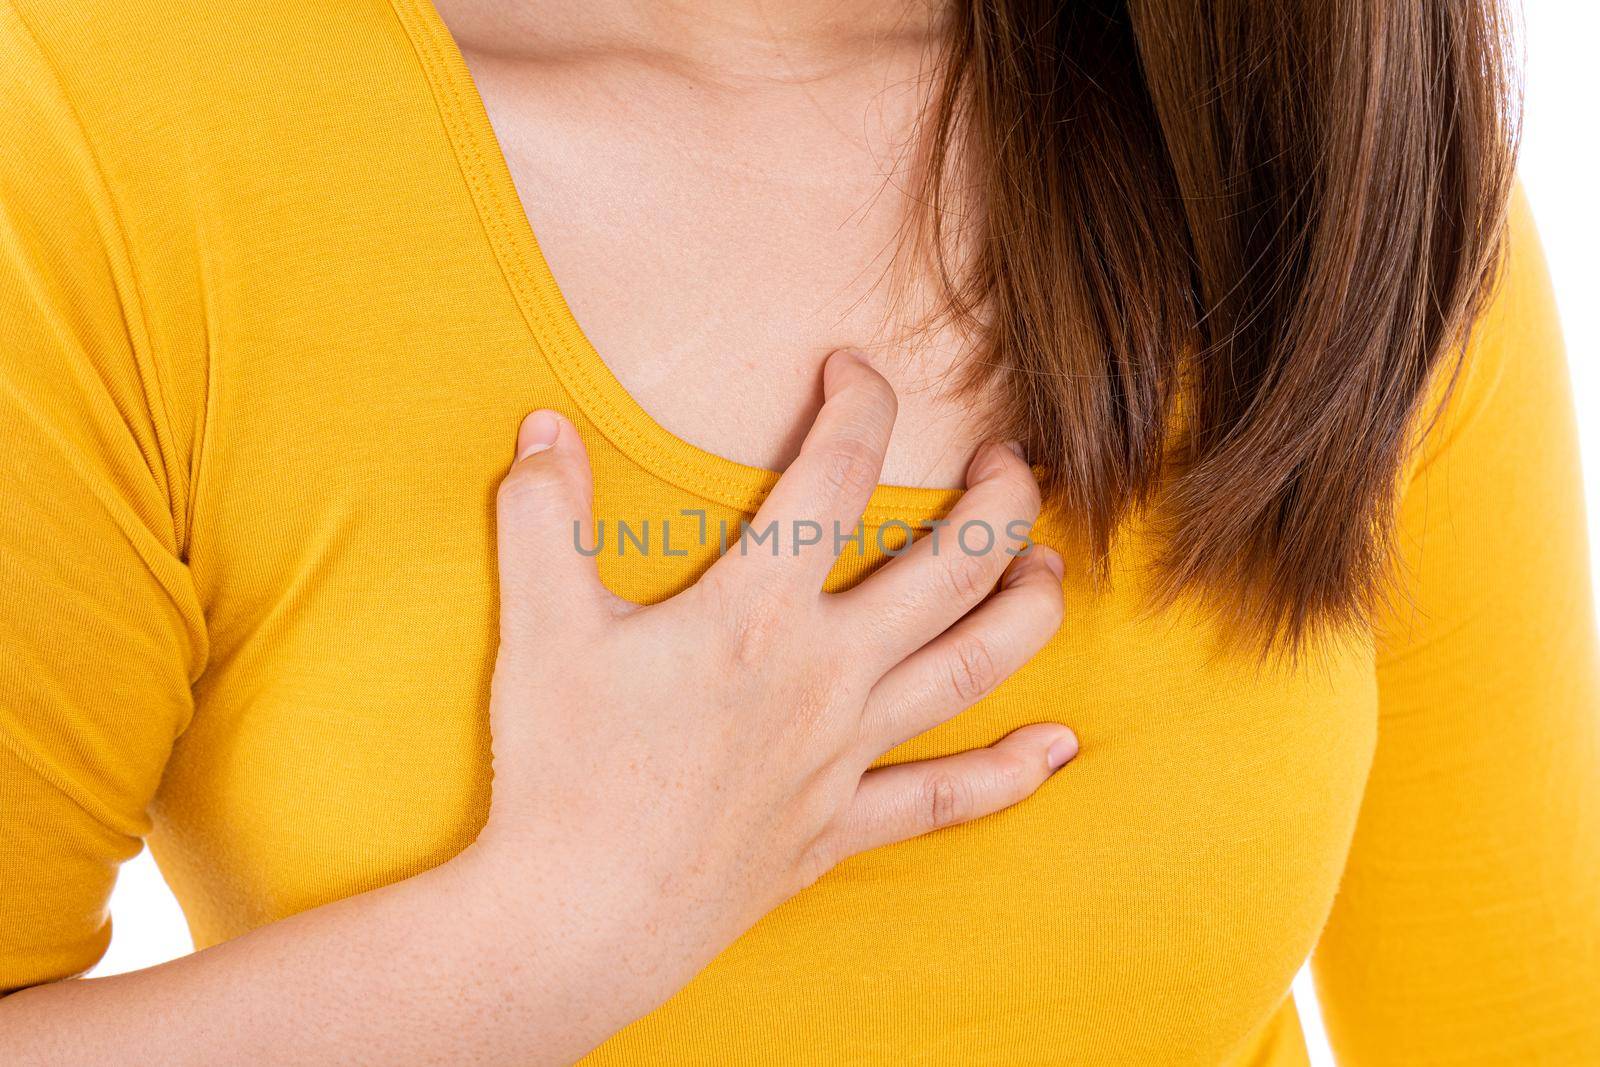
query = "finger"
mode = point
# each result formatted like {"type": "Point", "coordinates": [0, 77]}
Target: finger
{"type": "Point", "coordinates": [832, 478]}
{"type": "Point", "coordinates": [545, 528]}
{"type": "Point", "coordinates": [965, 663]}
{"type": "Point", "coordinates": [944, 574]}
{"type": "Point", "coordinates": [910, 799]}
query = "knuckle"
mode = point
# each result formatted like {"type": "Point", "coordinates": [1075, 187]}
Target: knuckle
{"type": "Point", "coordinates": [964, 579]}
{"type": "Point", "coordinates": [825, 807]}
{"type": "Point", "coordinates": [718, 590]}
{"type": "Point", "coordinates": [946, 799]}
{"type": "Point", "coordinates": [849, 467]}
{"type": "Point", "coordinates": [816, 860]}
{"type": "Point", "coordinates": [526, 490]}
{"type": "Point", "coordinates": [1010, 774]}
{"type": "Point", "coordinates": [972, 669]}
{"type": "Point", "coordinates": [754, 624]}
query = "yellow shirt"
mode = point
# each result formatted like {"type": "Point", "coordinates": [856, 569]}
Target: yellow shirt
{"type": "Point", "coordinates": [270, 312]}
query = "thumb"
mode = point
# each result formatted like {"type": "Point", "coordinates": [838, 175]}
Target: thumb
{"type": "Point", "coordinates": [545, 510]}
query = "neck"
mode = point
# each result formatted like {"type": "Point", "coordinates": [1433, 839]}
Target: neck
{"type": "Point", "coordinates": [785, 40]}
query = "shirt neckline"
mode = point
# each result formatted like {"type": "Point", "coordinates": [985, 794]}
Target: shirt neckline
{"type": "Point", "coordinates": [572, 358]}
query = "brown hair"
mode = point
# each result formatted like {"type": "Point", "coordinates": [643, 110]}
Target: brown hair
{"type": "Point", "coordinates": [1225, 248]}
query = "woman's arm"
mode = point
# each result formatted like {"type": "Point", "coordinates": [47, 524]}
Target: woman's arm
{"type": "Point", "coordinates": [1467, 928]}
{"type": "Point", "coordinates": [642, 818]}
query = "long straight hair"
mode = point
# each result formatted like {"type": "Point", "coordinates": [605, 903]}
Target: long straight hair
{"type": "Point", "coordinates": [1224, 250]}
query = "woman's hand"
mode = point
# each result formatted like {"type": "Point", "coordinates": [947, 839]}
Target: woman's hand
{"type": "Point", "coordinates": [671, 773]}
{"type": "Point", "coordinates": [663, 777]}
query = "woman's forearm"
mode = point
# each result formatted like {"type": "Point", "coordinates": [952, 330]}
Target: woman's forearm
{"type": "Point", "coordinates": [447, 966]}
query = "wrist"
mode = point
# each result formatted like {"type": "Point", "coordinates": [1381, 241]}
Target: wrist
{"type": "Point", "coordinates": [561, 931]}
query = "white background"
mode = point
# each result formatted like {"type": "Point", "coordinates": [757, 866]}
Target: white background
{"type": "Point", "coordinates": [1560, 172]}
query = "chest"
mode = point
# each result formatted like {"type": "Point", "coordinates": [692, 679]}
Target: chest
{"type": "Point", "coordinates": [341, 742]}
{"type": "Point", "coordinates": [1192, 852]}
{"type": "Point", "coordinates": [344, 552]}
{"type": "Point", "coordinates": [733, 236]}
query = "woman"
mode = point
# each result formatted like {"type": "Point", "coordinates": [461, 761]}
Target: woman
{"type": "Point", "coordinates": [274, 312]}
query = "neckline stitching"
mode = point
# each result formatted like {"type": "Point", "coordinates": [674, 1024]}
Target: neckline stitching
{"type": "Point", "coordinates": [535, 291]}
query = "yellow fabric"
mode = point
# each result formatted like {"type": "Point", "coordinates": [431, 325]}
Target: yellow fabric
{"type": "Point", "coordinates": [270, 312]}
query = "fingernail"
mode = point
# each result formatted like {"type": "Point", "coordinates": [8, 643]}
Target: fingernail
{"type": "Point", "coordinates": [1052, 559]}
{"type": "Point", "coordinates": [539, 431]}
{"type": "Point", "coordinates": [1016, 450]}
{"type": "Point", "coordinates": [1062, 749]}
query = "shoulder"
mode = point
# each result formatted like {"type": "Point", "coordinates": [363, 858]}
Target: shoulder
{"type": "Point", "coordinates": [144, 67]}
{"type": "Point", "coordinates": [1511, 374]}
{"type": "Point", "coordinates": [1520, 314]}
{"type": "Point", "coordinates": [156, 151]}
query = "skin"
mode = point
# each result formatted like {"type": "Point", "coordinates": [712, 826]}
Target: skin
{"type": "Point", "coordinates": [546, 936]}
{"type": "Point", "coordinates": [720, 190]}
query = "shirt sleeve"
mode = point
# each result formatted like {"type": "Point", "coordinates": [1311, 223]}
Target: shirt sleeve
{"type": "Point", "coordinates": [101, 634]}
{"type": "Point", "coordinates": [1467, 925]}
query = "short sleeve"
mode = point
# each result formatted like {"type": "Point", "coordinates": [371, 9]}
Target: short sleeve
{"type": "Point", "coordinates": [1467, 925]}
{"type": "Point", "coordinates": [101, 635]}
